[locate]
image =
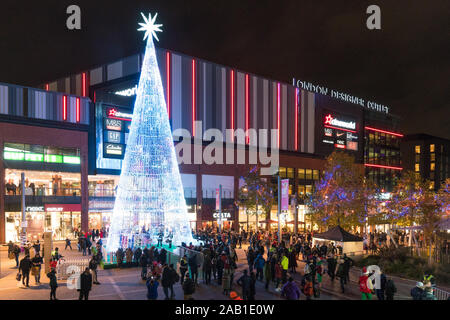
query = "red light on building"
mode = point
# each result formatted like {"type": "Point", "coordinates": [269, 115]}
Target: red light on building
{"type": "Point", "coordinates": [328, 119]}
{"type": "Point", "coordinates": [64, 108]}
{"type": "Point", "coordinates": [278, 111]}
{"type": "Point", "coordinates": [232, 103]}
{"type": "Point", "coordinates": [340, 146]}
{"type": "Point", "coordinates": [47, 87]}
{"type": "Point", "coordinates": [247, 106]}
{"type": "Point", "coordinates": [384, 131]}
{"type": "Point", "coordinates": [193, 97]}
{"type": "Point", "coordinates": [83, 84]}
{"type": "Point", "coordinates": [347, 130]}
{"type": "Point", "coordinates": [381, 166]}
{"type": "Point", "coordinates": [296, 119]}
{"type": "Point", "coordinates": [168, 82]}
{"type": "Point", "coordinates": [78, 110]}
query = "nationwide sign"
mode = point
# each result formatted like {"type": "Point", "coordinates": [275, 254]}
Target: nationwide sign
{"type": "Point", "coordinates": [339, 95]}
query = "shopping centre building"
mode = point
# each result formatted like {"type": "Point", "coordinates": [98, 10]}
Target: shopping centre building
{"type": "Point", "coordinates": [312, 121]}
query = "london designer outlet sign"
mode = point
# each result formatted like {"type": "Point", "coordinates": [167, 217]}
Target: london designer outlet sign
{"type": "Point", "coordinates": [339, 95]}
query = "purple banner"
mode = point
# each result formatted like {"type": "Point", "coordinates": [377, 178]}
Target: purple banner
{"type": "Point", "coordinates": [285, 195]}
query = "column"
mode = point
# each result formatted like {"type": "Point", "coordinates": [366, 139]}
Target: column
{"type": "Point", "coordinates": [199, 199]}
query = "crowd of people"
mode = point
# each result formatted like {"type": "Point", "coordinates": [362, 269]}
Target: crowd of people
{"type": "Point", "coordinates": [273, 263]}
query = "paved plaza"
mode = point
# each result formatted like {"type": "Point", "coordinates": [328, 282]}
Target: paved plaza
{"type": "Point", "coordinates": [126, 284]}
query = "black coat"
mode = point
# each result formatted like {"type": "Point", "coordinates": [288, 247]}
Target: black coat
{"type": "Point", "coordinates": [25, 264]}
{"type": "Point", "coordinates": [85, 281]}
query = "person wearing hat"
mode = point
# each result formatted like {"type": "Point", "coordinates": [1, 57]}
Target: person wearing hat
{"type": "Point", "coordinates": [418, 293]}
{"type": "Point", "coordinates": [365, 285]}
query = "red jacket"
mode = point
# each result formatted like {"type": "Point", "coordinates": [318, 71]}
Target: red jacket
{"type": "Point", "coordinates": [365, 285]}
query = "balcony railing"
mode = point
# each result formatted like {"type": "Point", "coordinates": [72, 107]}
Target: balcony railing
{"type": "Point", "coordinates": [45, 191]}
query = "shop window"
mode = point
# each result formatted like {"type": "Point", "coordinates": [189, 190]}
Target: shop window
{"type": "Point", "coordinates": [432, 148]}
{"type": "Point", "coordinates": [282, 172]}
{"type": "Point", "coordinates": [301, 190]}
{"type": "Point", "coordinates": [309, 175]}
{"type": "Point", "coordinates": [315, 174]}
{"type": "Point", "coordinates": [301, 174]}
{"type": "Point", "coordinates": [417, 149]}
{"type": "Point", "coordinates": [290, 173]}
{"type": "Point", "coordinates": [309, 189]}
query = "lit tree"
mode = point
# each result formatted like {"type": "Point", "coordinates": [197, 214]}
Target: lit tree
{"type": "Point", "coordinates": [415, 202]}
{"type": "Point", "coordinates": [342, 196]}
{"type": "Point", "coordinates": [150, 192]}
{"type": "Point", "coordinates": [256, 194]}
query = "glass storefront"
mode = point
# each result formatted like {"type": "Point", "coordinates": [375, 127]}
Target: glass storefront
{"type": "Point", "coordinates": [62, 224]}
{"type": "Point", "coordinates": [43, 183]}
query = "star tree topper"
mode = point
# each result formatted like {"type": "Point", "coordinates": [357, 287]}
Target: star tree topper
{"type": "Point", "coordinates": [149, 26]}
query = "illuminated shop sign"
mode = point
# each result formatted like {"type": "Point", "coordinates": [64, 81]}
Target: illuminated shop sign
{"type": "Point", "coordinates": [113, 137]}
{"type": "Point", "coordinates": [225, 216]}
{"type": "Point", "coordinates": [39, 157]}
{"type": "Point", "coordinates": [35, 209]}
{"type": "Point", "coordinates": [114, 149]}
{"type": "Point", "coordinates": [129, 92]}
{"type": "Point", "coordinates": [114, 113]}
{"type": "Point", "coordinates": [113, 124]}
{"type": "Point", "coordinates": [331, 122]}
{"type": "Point", "coordinates": [339, 95]}
{"type": "Point", "coordinates": [340, 132]}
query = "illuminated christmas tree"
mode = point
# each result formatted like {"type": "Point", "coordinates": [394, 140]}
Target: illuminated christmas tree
{"type": "Point", "coordinates": [150, 199]}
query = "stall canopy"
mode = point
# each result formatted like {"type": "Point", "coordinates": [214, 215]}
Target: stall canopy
{"type": "Point", "coordinates": [350, 243]}
{"type": "Point", "coordinates": [338, 234]}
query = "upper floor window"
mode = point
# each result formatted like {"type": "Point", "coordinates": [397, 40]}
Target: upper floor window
{"type": "Point", "coordinates": [418, 149]}
{"type": "Point", "coordinates": [432, 148]}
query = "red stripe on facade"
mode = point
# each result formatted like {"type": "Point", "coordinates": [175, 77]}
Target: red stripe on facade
{"type": "Point", "coordinates": [381, 166]}
{"type": "Point", "coordinates": [383, 131]}
{"type": "Point", "coordinates": [193, 97]}
{"type": "Point", "coordinates": [168, 82]}
{"type": "Point", "coordinates": [78, 109]}
{"type": "Point", "coordinates": [247, 107]}
{"type": "Point", "coordinates": [64, 108]}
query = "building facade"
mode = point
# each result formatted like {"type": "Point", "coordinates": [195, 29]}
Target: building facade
{"type": "Point", "coordinates": [310, 124]}
{"type": "Point", "coordinates": [43, 135]}
{"type": "Point", "coordinates": [428, 157]}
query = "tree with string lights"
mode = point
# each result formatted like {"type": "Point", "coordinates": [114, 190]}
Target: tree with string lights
{"type": "Point", "coordinates": [343, 196]}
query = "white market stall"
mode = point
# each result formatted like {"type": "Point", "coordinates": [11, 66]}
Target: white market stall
{"type": "Point", "coordinates": [349, 242]}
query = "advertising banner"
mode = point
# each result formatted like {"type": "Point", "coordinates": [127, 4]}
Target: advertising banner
{"type": "Point", "coordinates": [285, 195]}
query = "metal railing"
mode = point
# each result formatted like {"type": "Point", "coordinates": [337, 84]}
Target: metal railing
{"type": "Point", "coordinates": [66, 268]}
{"type": "Point", "coordinates": [45, 191]}
{"type": "Point", "coordinates": [441, 294]}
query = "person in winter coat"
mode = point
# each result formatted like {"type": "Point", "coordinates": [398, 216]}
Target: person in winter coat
{"type": "Point", "coordinates": [193, 266]}
{"type": "Point", "coordinates": [278, 275]}
{"type": "Point", "coordinates": [292, 260]}
{"type": "Point", "coordinates": [429, 294]}
{"type": "Point", "coordinates": [290, 290]}
{"type": "Point", "coordinates": [53, 283]}
{"type": "Point", "coordinates": [36, 269]}
{"type": "Point", "coordinates": [267, 274]}
{"type": "Point", "coordinates": [188, 287]}
{"type": "Point", "coordinates": [340, 273]}
{"type": "Point", "coordinates": [152, 288]}
{"type": "Point", "coordinates": [207, 268]}
{"type": "Point", "coordinates": [259, 266]}
{"type": "Point", "coordinates": [252, 294]}
{"type": "Point", "coordinates": [143, 262]}
{"type": "Point", "coordinates": [307, 286]}
{"type": "Point", "coordinates": [93, 263]}
{"type": "Point", "coordinates": [137, 255]}
{"type": "Point", "coordinates": [129, 257]}
{"type": "Point", "coordinates": [168, 279]}
{"type": "Point", "coordinates": [365, 285]}
{"type": "Point", "coordinates": [25, 266]}
{"type": "Point", "coordinates": [183, 268]}
{"type": "Point", "coordinates": [285, 267]}
{"type": "Point", "coordinates": [418, 292]}
{"type": "Point", "coordinates": [331, 262]}
{"type": "Point", "coordinates": [119, 256]}
{"type": "Point", "coordinates": [381, 287]}
{"type": "Point", "coordinates": [85, 284]}
{"type": "Point", "coordinates": [250, 259]}
{"type": "Point", "coordinates": [245, 282]}
{"type": "Point", "coordinates": [391, 289]}
{"type": "Point", "coordinates": [226, 280]}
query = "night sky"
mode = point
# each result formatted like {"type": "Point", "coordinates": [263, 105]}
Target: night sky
{"type": "Point", "coordinates": [405, 65]}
